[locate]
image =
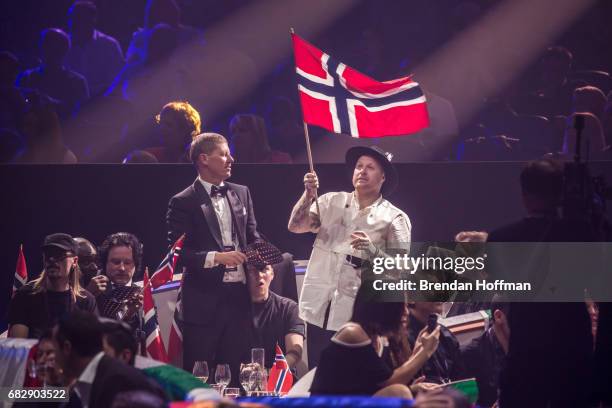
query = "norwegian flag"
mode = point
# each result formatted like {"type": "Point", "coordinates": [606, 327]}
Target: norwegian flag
{"type": "Point", "coordinates": [154, 342]}
{"type": "Point", "coordinates": [175, 340]}
{"type": "Point", "coordinates": [280, 378]}
{"type": "Point", "coordinates": [21, 271]}
{"type": "Point", "coordinates": [165, 270]}
{"type": "Point", "coordinates": [340, 99]}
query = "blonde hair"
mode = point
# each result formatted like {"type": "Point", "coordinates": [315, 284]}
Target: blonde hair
{"type": "Point", "coordinates": [41, 283]}
{"type": "Point", "coordinates": [204, 144]}
{"type": "Point", "coordinates": [184, 111]}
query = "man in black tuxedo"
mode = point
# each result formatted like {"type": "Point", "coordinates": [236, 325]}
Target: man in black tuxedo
{"type": "Point", "coordinates": [97, 378]}
{"type": "Point", "coordinates": [218, 221]}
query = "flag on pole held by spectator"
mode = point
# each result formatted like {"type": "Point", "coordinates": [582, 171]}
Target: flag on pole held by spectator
{"type": "Point", "coordinates": [21, 271]}
{"type": "Point", "coordinates": [165, 270]}
{"type": "Point", "coordinates": [154, 343]}
{"type": "Point", "coordinates": [280, 378]}
{"type": "Point", "coordinates": [340, 99]}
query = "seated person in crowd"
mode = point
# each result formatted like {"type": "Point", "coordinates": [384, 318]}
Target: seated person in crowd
{"type": "Point", "coordinates": [38, 305]}
{"type": "Point", "coordinates": [45, 361]}
{"type": "Point", "coordinates": [275, 318]}
{"type": "Point", "coordinates": [250, 141]}
{"type": "Point", "coordinates": [88, 260]}
{"type": "Point", "coordinates": [351, 363]}
{"type": "Point", "coordinates": [484, 356]}
{"type": "Point", "coordinates": [52, 78]}
{"type": "Point", "coordinates": [120, 257]}
{"type": "Point", "coordinates": [445, 363]}
{"type": "Point", "coordinates": [95, 377]}
{"type": "Point", "coordinates": [178, 122]}
{"type": "Point", "coordinates": [119, 340]}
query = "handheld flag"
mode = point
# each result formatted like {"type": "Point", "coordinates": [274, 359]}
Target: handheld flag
{"type": "Point", "coordinates": [280, 378]}
{"type": "Point", "coordinates": [340, 99]}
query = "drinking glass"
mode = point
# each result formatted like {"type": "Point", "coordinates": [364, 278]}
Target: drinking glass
{"type": "Point", "coordinates": [232, 393]}
{"type": "Point", "coordinates": [259, 379]}
{"type": "Point", "coordinates": [245, 377]}
{"type": "Point", "coordinates": [200, 370]}
{"type": "Point", "coordinates": [223, 375]}
{"type": "Point", "coordinates": [258, 356]}
{"type": "Point", "coordinates": [218, 387]}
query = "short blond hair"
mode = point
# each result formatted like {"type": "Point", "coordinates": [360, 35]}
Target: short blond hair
{"type": "Point", "coordinates": [185, 112]}
{"type": "Point", "coordinates": [204, 143]}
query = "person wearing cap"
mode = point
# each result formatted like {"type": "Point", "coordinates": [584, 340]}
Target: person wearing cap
{"type": "Point", "coordinates": [38, 305]}
{"type": "Point", "coordinates": [351, 228]}
{"type": "Point", "coordinates": [275, 318]}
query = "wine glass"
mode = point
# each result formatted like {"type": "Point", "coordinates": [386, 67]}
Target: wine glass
{"type": "Point", "coordinates": [223, 375]}
{"type": "Point", "coordinates": [200, 370]}
{"type": "Point", "coordinates": [245, 377]}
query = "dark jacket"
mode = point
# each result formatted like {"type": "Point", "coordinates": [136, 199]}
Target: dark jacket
{"type": "Point", "coordinates": [445, 364]}
{"type": "Point", "coordinates": [190, 212]}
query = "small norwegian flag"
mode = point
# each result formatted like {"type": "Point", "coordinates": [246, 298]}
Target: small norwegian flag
{"type": "Point", "coordinates": [175, 340]}
{"type": "Point", "coordinates": [341, 99]}
{"type": "Point", "coordinates": [154, 342]}
{"type": "Point", "coordinates": [21, 271]}
{"type": "Point", "coordinates": [280, 378]}
{"type": "Point", "coordinates": [165, 270]}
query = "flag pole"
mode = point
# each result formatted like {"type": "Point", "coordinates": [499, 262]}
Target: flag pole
{"type": "Point", "coordinates": [308, 150]}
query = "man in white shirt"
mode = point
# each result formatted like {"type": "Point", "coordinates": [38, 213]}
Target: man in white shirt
{"type": "Point", "coordinates": [351, 228]}
{"type": "Point", "coordinates": [218, 221]}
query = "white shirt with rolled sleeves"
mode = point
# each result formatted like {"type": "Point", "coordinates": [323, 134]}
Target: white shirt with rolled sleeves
{"type": "Point", "coordinates": [329, 277]}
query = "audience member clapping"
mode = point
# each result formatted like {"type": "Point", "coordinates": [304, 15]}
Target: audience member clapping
{"type": "Point", "coordinates": [351, 363]}
{"type": "Point", "coordinates": [52, 77]}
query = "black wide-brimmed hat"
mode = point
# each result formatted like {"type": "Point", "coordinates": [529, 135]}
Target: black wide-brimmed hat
{"type": "Point", "coordinates": [383, 158]}
{"type": "Point", "coordinates": [262, 253]}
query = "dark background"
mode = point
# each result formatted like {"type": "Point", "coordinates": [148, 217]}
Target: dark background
{"type": "Point", "coordinates": [96, 200]}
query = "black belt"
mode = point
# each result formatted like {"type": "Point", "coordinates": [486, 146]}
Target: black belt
{"type": "Point", "coordinates": [354, 261]}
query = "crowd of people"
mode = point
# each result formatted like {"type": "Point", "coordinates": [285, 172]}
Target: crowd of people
{"type": "Point", "coordinates": [87, 97]}
{"type": "Point", "coordinates": [359, 344]}
{"type": "Point", "coordinates": [82, 95]}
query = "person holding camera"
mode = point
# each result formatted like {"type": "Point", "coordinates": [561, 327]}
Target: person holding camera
{"type": "Point", "coordinates": [38, 305]}
{"type": "Point", "coordinates": [117, 295]}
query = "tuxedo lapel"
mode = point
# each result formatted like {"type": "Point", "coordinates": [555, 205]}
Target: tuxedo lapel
{"type": "Point", "coordinates": [238, 214]}
{"type": "Point", "coordinates": [208, 211]}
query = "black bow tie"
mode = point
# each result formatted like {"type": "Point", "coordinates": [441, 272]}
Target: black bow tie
{"type": "Point", "coordinates": [218, 191]}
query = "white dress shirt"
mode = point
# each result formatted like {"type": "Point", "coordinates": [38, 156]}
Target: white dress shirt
{"type": "Point", "coordinates": [329, 276]}
{"type": "Point", "coordinates": [83, 384]}
{"type": "Point", "coordinates": [223, 211]}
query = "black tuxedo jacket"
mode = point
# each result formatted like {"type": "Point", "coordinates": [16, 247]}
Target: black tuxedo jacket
{"type": "Point", "coordinates": [114, 377]}
{"type": "Point", "coordinates": [191, 212]}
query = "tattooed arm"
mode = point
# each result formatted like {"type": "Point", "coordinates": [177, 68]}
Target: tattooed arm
{"type": "Point", "coordinates": [302, 219]}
